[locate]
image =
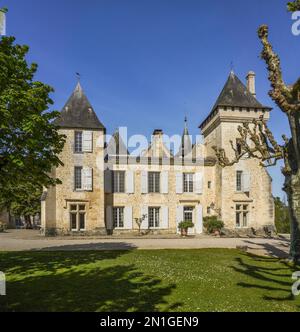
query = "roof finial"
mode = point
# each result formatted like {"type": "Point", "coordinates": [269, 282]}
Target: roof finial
{"type": "Point", "coordinates": [78, 76]}
{"type": "Point", "coordinates": [185, 121]}
{"type": "Point", "coordinates": [231, 67]}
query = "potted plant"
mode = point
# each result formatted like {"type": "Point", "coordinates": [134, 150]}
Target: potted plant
{"type": "Point", "coordinates": [213, 225]}
{"type": "Point", "coordinates": [139, 222]}
{"type": "Point", "coordinates": [184, 226]}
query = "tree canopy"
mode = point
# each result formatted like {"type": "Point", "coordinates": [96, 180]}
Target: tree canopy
{"type": "Point", "coordinates": [29, 141]}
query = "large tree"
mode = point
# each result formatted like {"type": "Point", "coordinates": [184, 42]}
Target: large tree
{"type": "Point", "coordinates": [29, 141]}
{"type": "Point", "coordinates": [257, 141]}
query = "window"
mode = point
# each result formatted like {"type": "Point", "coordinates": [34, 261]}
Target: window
{"type": "Point", "coordinates": [154, 182]}
{"type": "Point", "coordinates": [242, 215]}
{"type": "Point", "coordinates": [118, 217]}
{"type": "Point", "coordinates": [78, 142]}
{"type": "Point", "coordinates": [188, 182]}
{"type": "Point", "coordinates": [78, 178]}
{"type": "Point", "coordinates": [119, 181]}
{"type": "Point", "coordinates": [238, 147]}
{"type": "Point", "coordinates": [153, 217]}
{"type": "Point", "coordinates": [209, 184]}
{"type": "Point", "coordinates": [77, 217]}
{"type": "Point", "coordinates": [239, 176]}
{"type": "Point", "coordinates": [188, 213]}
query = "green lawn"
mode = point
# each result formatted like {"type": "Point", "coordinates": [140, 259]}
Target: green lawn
{"type": "Point", "coordinates": [163, 280]}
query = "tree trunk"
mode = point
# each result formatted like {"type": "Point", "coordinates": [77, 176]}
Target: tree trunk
{"type": "Point", "coordinates": [28, 222]}
{"type": "Point", "coordinates": [292, 189]}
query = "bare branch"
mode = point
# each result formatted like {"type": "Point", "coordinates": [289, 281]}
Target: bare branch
{"type": "Point", "coordinates": [257, 141]}
{"type": "Point", "coordinates": [283, 95]}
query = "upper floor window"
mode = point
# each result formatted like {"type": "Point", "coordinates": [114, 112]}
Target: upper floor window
{"type": "Point", "coordinates": [83, 141]}
{"type": "Point", "coordinates": [83, 178]}
{"type": "Point", "coordinates": [78, 178]}
{"type": "Point", "coordinates": [209, 184]}
{"type": "Point", "coordinates": [154, 182]}
{"type": "Point", "coordinates": [119, 181]}
{"type": "Point", "coordinates": [78, 142]}
{"type": "Point", "coordinates": [188, 182]}
{"type": "Point", "coordinates": [239, 180]}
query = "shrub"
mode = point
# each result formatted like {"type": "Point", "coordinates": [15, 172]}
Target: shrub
{"type": "Point", "coordinates": [185, 225]}
{"type": "Point", "coordinates": [213, 224]}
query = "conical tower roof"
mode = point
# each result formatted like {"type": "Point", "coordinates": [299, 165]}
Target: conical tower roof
{"type": "Point", "coordinates": [78, 112]}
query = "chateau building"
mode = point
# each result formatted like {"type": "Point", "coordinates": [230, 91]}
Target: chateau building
{"type": "Point", "coordinates": [106, 189]}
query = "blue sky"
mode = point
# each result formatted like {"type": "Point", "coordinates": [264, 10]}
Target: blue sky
{"type": "Point", "coordinates": [148, 63]}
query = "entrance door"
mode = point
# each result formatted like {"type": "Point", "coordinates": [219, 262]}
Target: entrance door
{"type": "Point", "coordinates": [189, 215]}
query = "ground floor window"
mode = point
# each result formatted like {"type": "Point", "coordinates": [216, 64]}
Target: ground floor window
{"type": "Point", "coordinates": [242, 215]}
{"type": "Point", "coordinates": [77, 217]}
{"type": "Point", "coordinates": [118, 217]}
{"type": "Point", "coordinates": [153, 217]}
{"type": "Point", "coordinates": [188, 213]}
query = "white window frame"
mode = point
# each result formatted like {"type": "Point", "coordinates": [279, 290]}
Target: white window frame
{"type": "Point", "coordinates": [154, 217]}
{"type": "Point", "coordinates": [77, 212]}
{"type": "Point", "coordinates": [78, 142]}
{"type": "Point", "coordinates": [75, 178]}
{"type": "Point", "coordinates": [117, 182]}
{"type": "Point", "coordinates": [118, 217]}
{"type": "Point", "coordinates": [188, 210]}
{"type": "Point", "coordinates": [154, 182]}
{"type": "Point", "coordinates": [242, 210]}
{"type": "Point", "coordinates": [239, 181]}
{"type": "Point", "coordinates": [188, 183]}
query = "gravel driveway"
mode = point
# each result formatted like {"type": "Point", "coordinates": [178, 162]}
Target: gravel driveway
{"type": "Point", "coordinates": [21, 240]}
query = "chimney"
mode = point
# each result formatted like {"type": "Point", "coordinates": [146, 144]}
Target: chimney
{"type": "Point", "coordinates": [251, 82]}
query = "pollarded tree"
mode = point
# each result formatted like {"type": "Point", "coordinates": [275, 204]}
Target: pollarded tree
{"type": "Point", "coordinates": [257, 141]}
{"type": "Point", "coordinates": [29, 142]}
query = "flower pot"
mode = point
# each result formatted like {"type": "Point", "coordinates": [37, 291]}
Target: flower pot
{"type": "Point", "coordinates": [184, 232]}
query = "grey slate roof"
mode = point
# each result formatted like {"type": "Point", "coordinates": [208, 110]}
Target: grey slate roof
{"type": "Point", "coordinates": [116, 145]}
{"type": "Point", "coordinates": [186, 143]}
{"type": "Point", "coordinates": [236, 94]}
{"type": "Point", "coordinates": [78, 112]}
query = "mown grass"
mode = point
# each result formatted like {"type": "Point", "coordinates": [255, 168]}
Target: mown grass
{"type": "Point", "coordinates": [136, 280]}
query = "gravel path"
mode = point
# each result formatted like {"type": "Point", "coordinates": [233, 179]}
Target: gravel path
{"type": "Point", "coordinates": [21, 240]}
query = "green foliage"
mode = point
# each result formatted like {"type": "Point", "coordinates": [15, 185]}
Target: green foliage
{"type": "Point", "coordinates": [212, 224]}
{"type": "Point", "coordinates": [282, 221]}
{"type": "Point", "coordinates": [29, 141]}
{"type": "Point", "coordinates": [293, 6]}
{"type": "Point", "coordinates": [185, 225]}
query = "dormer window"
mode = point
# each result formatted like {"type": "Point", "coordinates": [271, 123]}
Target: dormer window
{"type": "Point", "coordinates": [83, 141]}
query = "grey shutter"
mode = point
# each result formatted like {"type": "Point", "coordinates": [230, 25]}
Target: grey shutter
{"type": "Point", "coordinates": [144, 211]}
{"type": "Point", "coordinates": [199, 183]}
{"type": "Point", "coordinates": [246, 181]}
{"type": "Point", "coordinates": [108, 181]}
{"type": "Point", "coordinates": [128, 217]}
{"type": "Point", "coordinates": [109, 218]}
{"type": "Point", "coordinates": [87, 178]}
{"type": "Point", "coordinates": [129, 183]}
{"type": "Point", "coordinates": [179, 183]}
{"type": "Point", "coordinates": [144, 182]}
{"type": "Point", "coordinates": [165, 182]}
{"type": "Point", "coordinates": [164, 217]}
{"type": "Point", "coordinates": [199, 219]}
{"type": "Point", "coordinates": [87, 141]}
{"type": "Point", "coordinates": [179, 216]}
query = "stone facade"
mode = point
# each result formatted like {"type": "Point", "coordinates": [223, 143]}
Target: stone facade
{"type": "Point", "coordinates": [103, 192]}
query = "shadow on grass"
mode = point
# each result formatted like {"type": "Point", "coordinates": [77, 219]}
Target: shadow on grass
{"type": "Point", "coordinates": [277, 280]}
{"type": "Point", "coordinates": [80, 281]}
